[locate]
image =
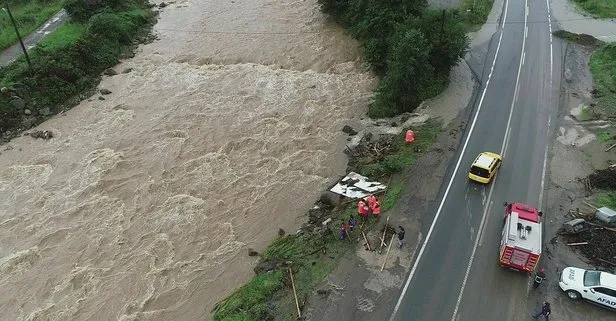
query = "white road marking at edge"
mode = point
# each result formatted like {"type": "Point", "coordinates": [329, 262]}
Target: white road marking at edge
{"type": "Point", "coordinates": [545, 156]}
{"type": "Point", "coordinates": [438, 211]}
{"type": "Point", "coordinates": [487, 209]}
{"type": "Point", "coordinates": [503, 152]}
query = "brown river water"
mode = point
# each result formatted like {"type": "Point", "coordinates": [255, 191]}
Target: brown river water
{"type": "Point", "coordinates": [143, 205]}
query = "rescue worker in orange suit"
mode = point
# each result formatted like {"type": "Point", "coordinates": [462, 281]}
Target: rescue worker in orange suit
{"type": "Point", "coordinates": [371, 200]}
{"type": "Point", "coordinates": [376, 210]}
{"type": "Point", "coordinates": [363, 209]}
{"type": "Point", "coordinates": [374, 205]}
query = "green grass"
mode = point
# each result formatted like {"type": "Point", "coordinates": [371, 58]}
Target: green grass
{"type": "Point", "coordinates": [598, 8]}
{"type": "Point", "coordinates": [269, 295]}
{"type": "Point", "coordinates": [604, 136]}
{"type": "Point", "coordinates": [63, 36]}
{"type": "Point", "coordinates": [249, 302]}
{"type": "Point", "coordinates": [603, 69]}
{"type": "Point", "coordinates": [582, 39]}
{"type": "Point", "coordinates": [474, 13]}
{"type": "Point", "coordinates": [28, 17]}
{"type": "Point", "coordinates": [394, 190]}
{"type": "Point", "coordinates": [404, 155]}
{"type": "Point", "coordinates": [607, 199]}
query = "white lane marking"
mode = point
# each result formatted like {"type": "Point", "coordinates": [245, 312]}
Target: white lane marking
{"type": "Point", "coordinates": [483, 231]}
{"type": "Point", "coordinates": [526, 32]}
{"type": "Point", "coordinates": [468, 268]}
{"type": "Point", "coordinates": [453, 175]}
{"type": "Point", "coordinates": [503, 150]}
{"type": "Point", "coordinates": [523, 57]}
{"type": "Point", "coordinates": [545, 155]}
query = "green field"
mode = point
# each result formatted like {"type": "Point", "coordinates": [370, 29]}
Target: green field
{"type": "Point", "coordinates": [474, 13]}
{"type": "Point", "coordinates": [603, 69]}
{"type": "Point", "coordinates": [598, 8]}
{"type": "Point", "coordinates": [64, 36]}
{"type": "Point", "coordinates": [28, 15]}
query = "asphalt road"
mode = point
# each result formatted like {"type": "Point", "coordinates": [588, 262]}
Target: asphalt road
{"type": "Point", "coordinates": [434, 292]}
{"type": "Point", "coordinates": [30, 41]}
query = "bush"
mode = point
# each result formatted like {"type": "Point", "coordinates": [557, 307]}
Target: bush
{"type": "Point", "coordinates": [412, 47]}
{"type": "Point", "coordinates": [82, 10]}
{"type": "Point", "coordinates": [402, 88]}
{"type": "Point", "coordinates": [64, 70]}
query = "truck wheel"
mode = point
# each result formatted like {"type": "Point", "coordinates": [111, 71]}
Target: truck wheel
{"type": "Point", "coordinates": [573, 295]}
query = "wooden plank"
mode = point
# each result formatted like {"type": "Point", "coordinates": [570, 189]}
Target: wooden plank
{"type": "Point", "coordinates": [575, 244]}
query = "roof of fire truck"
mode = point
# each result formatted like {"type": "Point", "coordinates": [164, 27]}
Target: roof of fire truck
{"type": "Point", "coordinates": [524, 233]}
{"type": "Point", "coordinates": [524, 211]}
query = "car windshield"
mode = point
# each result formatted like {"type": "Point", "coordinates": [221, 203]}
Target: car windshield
{"type": "Point", "coordinates": [591, 278]}
{"type": "Point", "coordinates": [480, 171]}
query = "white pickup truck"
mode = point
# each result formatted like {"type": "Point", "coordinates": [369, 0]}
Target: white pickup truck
{"type": "Point", "coordinates": [595, 286]}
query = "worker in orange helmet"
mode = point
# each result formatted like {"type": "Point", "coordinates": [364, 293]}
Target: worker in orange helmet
{"type": "Point", "coordinates": [363, 209]}
{"type": "Point", "coordinates": [376, 208]}
{"type": "Point", "coordinates": [371, 201]}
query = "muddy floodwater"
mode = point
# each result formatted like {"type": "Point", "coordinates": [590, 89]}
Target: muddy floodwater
{"type": "Point", "coordinates": [143, 205]}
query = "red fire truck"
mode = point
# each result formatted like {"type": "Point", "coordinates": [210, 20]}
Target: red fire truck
{"type": "Point", "coordinates": [520, 247]}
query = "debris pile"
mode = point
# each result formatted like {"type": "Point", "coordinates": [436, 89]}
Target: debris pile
{"type": "Point", "coordinates": [44, 134]}
{"type": "Point", "coordinates": [596, 242]}
{"type": "Point", "coordinates": [372, 151]}
{"type": "Point", "coordinates": [603, 179]}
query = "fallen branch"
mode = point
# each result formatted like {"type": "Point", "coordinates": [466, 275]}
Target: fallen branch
{"type": "Point", "coordinates": [589, 205]}
{"type": "Point", "coordinates": [605, 261]}
{"type": "Point", "coordinates": [336, 287]}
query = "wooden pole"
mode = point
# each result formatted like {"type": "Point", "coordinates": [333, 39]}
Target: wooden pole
{"type": "Point", "coordinates": [608, 149]}
{"type": "Point", "coordinates": [383, 238]}
{"type": "Point", "coordinates": [299, 313]}
{"type": "Point", "coordinates": [366, 240]}
{"type": "Point", "coordinates": [387, 254]}
{"type": "Point", "coordinates": [6, 8]}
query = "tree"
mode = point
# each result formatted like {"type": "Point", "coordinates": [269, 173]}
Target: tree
{"type": "Point", "coordinates": [408, 75]}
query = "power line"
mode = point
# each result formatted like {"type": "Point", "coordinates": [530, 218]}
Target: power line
{"type": "Point", "coordinates": [224, 32]}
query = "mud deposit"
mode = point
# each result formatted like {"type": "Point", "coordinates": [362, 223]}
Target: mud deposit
{"type": "Point", "coordinates": [142, 205]}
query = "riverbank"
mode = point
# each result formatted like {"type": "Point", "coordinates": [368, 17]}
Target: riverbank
{"type": "Point", "coordinates": [68, 64]}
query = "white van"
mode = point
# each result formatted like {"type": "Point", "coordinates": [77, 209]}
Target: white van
{"type": "Point", "coordinates": [595, 286]}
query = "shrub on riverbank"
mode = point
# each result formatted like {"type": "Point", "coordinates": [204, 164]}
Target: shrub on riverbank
{"type": "Point", "coordinates": [28, 15]}
{"type": "Point", "coordinates": [412, 47]}
{"type": "Point", "coordinates": [68, 64]}
{"type": "Point", "coordinates": [603, 69]}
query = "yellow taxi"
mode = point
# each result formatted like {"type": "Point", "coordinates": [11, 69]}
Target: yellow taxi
{"type": "Point", "coordinates": [484, 167]}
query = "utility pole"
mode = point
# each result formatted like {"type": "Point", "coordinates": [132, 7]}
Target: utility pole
{"type": "Point", "coordinates": [6, 8]}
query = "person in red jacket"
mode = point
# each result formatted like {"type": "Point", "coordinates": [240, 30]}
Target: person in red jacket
{"type": "Point", "coordinates": [363, 209]}
{"type": "Point", "coordinates": [343, 231]}
{"type": "Point", "coordinates": [376, 209]}
{"type": "Point", "coordinates": [371, 201]}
